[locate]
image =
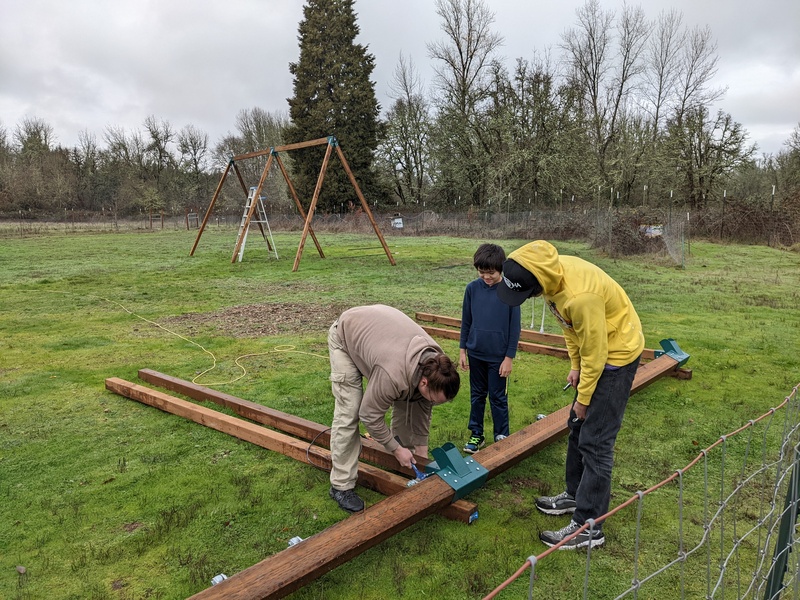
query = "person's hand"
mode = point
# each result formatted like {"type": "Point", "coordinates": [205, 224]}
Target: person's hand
{"type": "Point", "coordinates": [462, 360]}
{"type": "Point", "coordinates": [404, 457]}
{"type": "Point", "coordinates": [505, 367]}
{"type": "Point", "coordinates": [574, 378]}
{"type": "Point", "coordinates": [579, 410]}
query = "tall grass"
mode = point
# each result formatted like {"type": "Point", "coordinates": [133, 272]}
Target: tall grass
{"type": "Point", "coordinates": [101, 497]}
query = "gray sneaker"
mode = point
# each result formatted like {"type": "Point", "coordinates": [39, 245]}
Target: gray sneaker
{"type": "Point", "coordinates": [585, 539]}
{"type": "Point", "coordinates": [497, 438]}
{"type": "Point", "coordinates": [347, 500]}
{"type": "Point", "coordinates": [556, 505]}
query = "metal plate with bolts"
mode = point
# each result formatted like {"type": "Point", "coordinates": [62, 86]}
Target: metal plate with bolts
{"type": "Point", "coordinates": [463, 475]}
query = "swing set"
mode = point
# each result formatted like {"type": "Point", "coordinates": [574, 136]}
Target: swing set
{"type": "Point", "coordinates": [254, 193]}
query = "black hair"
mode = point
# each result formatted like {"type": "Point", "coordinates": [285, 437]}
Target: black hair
{"type": "Point", "coordinates": [489, 257]}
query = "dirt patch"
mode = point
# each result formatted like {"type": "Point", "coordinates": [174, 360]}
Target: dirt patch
{"type": "Point", "coordinates": [258, 320]}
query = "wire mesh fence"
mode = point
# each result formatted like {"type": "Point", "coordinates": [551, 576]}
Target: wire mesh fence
{"type": "Point", "coordinates": [620, 231]}
{"type": "Point", "coordinates": [736, 505]}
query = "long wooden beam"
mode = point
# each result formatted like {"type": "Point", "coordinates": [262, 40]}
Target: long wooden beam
{"type": "Point", "coordinates": [211, 206]}
{"type": "Point", "coordinates": [371, 477]}
{"type": "Point", "coordinates": [527, 334]}
{"type": "Point", "coordinates": [364, 204]}
{"type": "Point", "coordinates": [546, 343]}
{"type": "Point", "coordinates": [371, 450]}
{"type": "Point", "coordinates": [368, 475]}
{"type": "Point", "coordinates": [289, 570]}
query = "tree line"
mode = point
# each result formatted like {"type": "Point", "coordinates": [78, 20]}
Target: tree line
{"type": "Point", "coordinates": [619, 114]}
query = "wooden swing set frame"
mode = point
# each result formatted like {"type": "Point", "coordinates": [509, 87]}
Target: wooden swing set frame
{"type": "Point", "coordinates": [332, 143]}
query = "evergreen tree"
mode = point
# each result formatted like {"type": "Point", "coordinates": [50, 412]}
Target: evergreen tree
{"type": "Point", "coordinates": [333, 95]}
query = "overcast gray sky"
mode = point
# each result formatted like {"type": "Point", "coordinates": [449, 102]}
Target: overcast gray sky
{"type": "Point", "coordinates": [82, 65]}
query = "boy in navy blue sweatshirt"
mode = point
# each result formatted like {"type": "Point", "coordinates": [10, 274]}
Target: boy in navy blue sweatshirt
{"type": "Point", "coordinates": [489, 336]}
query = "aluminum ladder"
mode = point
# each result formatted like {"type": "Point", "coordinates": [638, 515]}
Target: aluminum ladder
{"type": "Point", "coordinates": [260, 218]}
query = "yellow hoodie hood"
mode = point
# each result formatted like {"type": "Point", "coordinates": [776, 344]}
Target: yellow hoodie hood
{"type": "Point", "coordinates": [541, 259]}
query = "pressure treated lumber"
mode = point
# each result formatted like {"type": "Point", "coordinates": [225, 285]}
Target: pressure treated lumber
{"type": "Point", "coordinates": [289, 570]}
{"type": "Point", "coordinates": [545, 343]}
{"type": "Point", "coordinates": [371, 450]}
{"type": "Point", "coordinates": [369, 476]}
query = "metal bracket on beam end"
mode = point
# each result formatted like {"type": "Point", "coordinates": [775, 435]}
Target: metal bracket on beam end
{"type": "Point", "coordinates": [333, 141]}
{"type": "Point", "coordinates": [672, 350]}
{"type": "Point", "coordinates": [463, 475]}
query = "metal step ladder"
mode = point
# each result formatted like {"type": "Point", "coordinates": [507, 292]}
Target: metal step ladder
{"type": "Point", "coordinates": [260, 218]}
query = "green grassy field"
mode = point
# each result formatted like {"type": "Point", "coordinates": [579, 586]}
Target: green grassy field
{"type": "Point", "coordinates": [102, 497]}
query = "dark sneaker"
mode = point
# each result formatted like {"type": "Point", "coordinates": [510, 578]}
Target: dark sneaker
{"type": "Point", "coordinates": [347, 500]}
{"type": "Point", "coordinates": [556, 505]}
{"type": "Point", "coordinates": [585, 539]}
{"type": "Point", "coordinates": [474, 444]}
{"type": "Point", "coordinates": [497, 438]}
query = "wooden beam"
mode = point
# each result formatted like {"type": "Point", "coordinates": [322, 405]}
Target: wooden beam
{"type": "Point", "coordinates": [297, 203]}
{"type": "Point", "coordinates": [371, 450]}
{"type": "Point", "coordinates": [370, 477]}
{"type": "Point", "coordinates": [291, 569]}
{"type": "Point", "coordinates": [503, 454]}
{"type": "Point", "coordinates": [211, 206]}
{"type": "Point", "coordinates": [364, 204]}
{"type": "Point", "coordinates": [243, 228]}
{"type": "Point", "coordinates": [548, 343]}
{"type": "Point", "coordinates": [313, 207]}
{"type": "Point", "coordinates": [298, 145]}
{"type": "Point", "coordinates": [526, 334]}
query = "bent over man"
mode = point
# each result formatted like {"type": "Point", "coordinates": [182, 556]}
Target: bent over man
{"type": "Point", "coordinates": [604, 341]}
{"type": "Point", "coordinates": [406, 372]}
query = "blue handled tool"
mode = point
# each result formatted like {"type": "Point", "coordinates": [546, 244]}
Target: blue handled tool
{"type": "Point", "coordinates": [419, 476]}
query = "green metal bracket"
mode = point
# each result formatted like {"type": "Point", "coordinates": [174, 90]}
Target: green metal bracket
{"type": "Point", "coordinates": [333, 141]}
{"type": "Point", "coordinates": [672, 350]}
{"type": "Point", "coordinates": [463, 475]}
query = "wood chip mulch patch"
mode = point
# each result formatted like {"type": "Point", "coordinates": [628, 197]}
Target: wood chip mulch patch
{"type": "Point", "coordinates": [257, 320]}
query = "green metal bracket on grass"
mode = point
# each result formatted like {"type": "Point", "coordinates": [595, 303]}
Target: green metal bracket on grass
{"type": "Point", "coordinates": [672, 350]}
{"type": "Point", "coordinates": [463, 475]}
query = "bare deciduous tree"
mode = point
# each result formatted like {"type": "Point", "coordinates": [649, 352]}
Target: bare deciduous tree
{"type": "Point", "coordinates": [662, 66]}
{"type": "Point", "coordinates": [697, 69]}
{"type": "Point", "coordinates": [464, 56]}
{"type": "Point", "coordinates": [404, 150]}
{"type": "Point", "coordinates": [606, 68]}
{"type": "Point", "coordinates": [464, 63]}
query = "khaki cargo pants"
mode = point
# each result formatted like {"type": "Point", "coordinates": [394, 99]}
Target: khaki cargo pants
{"type": "Point", "coordinates": [346, 384]}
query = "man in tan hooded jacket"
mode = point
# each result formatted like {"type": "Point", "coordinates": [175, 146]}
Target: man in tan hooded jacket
{"type": "Point", "coordinates": [406, 372]}
{"type": "Point", "coordinates": [604, 340]}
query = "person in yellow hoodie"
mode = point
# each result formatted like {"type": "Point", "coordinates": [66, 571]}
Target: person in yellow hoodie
{"type": "Point", "coordinates": [604, 339]}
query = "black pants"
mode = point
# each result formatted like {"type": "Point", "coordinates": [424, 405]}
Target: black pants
{"type": "Point", "coordinates": [590, 451]}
